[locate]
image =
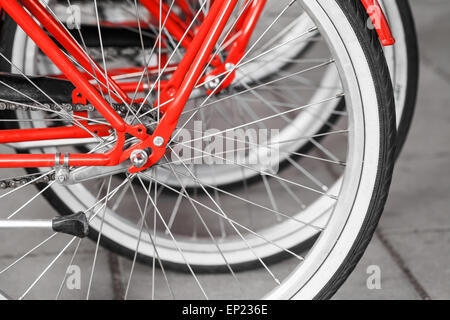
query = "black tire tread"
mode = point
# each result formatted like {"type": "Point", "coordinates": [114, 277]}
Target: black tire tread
{"type": "Point", "coordinates": [412, 50]}
{"type": "Point", "coordinates": [369, 40]}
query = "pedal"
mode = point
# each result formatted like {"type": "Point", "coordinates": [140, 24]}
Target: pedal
{"type": "Point", "coordinates": [75, 224]}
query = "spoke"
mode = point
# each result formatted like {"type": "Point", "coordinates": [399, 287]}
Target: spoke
{"type": "Point", "coordinates": [40, 244]}
{"type": "Point", "coordinates": [308, 174]}
{"type": "Point", "coordinates": [94, 66]}
{"type": "Point", "coordinates": [176, 207]}
{"type": "Point", "coordinates": [141, 229]}
{"type": "Point", "coordinates": [94, 263]}
{"type": "Point", "coordinates": [241, 64]}
{"type": "Point", "coordinates": [154, 234]}
{"type": "Point", "coordinates": [77, 123]}
{"type": "Point", "coordinates": [153, 242]}
{"type": "Point", "coordinates": [168, 61]}
{"type": "Point", "coordinates": [157, 41]}
{"type": "Point", "coordinates": [28, 183]}
{"type": "Point", "coordinates": [250, 145]}
{"type": "Point", "coordinates": [264, 119]}
{"type": "Point", "coordinates": [105, 69]}
{"type": "Point", "coordinates": [141, 38]}
{"type": "Point", "coordinates": [47, 268]}
{"type": "Point", "coordinates": [30, 200]}
{"type": "Point", "coordinates": [159, 60]}
{"type": "Point", "coordinates": [247, 201]}
{"type": "Point", "coordinates": [262, 173]}
{"type": "Point", "coordinates": [72, 259]}
{"type": "Point", "coordinates": [206, 228]}
{"type": "Point", "coordinates": [177, 246]}
{"type": "Point", "coordinates": [271, 197]}
{"type": "Point", "coordinates": [84, 48]}
{"type": "Point", "coordinates": [197, 108]}
{"type": "Point", "coordinates": [108, 196]}
{"type": "Point", "coordinates": [223, 214]}
{"type": "Point", "coordinates": [229, 219]}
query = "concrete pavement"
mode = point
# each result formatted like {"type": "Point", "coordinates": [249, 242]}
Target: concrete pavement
{"type": "Point", "coordinates": [412, 245]}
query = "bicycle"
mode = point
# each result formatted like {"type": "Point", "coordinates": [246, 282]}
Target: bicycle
{"type": "Point", "coordinates": [101, 107]}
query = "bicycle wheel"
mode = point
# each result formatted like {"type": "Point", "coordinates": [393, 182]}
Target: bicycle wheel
{"type": "Point", "coordinates": [305, 124]}
{"type": "Point", "coordinates": [353, 190]}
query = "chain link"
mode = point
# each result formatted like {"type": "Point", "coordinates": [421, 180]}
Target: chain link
{"type": "Point", "coordinates": [32, 179]}
{"type": "Point", "coordinates": [121, 109]}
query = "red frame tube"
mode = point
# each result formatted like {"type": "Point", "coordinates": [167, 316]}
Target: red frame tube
{"type": "Point", "coordinates": [174, 25]}
{"type": "Point", "coordinates": [379, 21]}
{"type": "Point", "coordinates": [66, 40]}
{"type": "Point", "coordinates": [37, 134]}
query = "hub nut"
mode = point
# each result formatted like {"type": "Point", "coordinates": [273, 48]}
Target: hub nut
{"type": "Point", "coordinates": [158, 141]}
{"type": "Point", "coordinates": [212, 83]}
{"type": "Point", "coordinates": [139, 158]}
{"type": "Point", "coordinates": [229, 67]}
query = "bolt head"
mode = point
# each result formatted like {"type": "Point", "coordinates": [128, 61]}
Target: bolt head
{"type": "Point", "coordinates": [212, 82]}
{"type": "Point", "coordinates": [229, 66]}
{"type": "Point", "coordinates": [138, 158]}
{"type": "Point", "coordinates": [62, 175]}
{"type": "Point", "coordinates": [158, 141]}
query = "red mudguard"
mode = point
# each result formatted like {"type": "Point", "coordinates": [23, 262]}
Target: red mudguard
{"type": "Point", "coordinates": [379, 21]}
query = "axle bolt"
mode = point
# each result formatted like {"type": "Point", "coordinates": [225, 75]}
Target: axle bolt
{"type": "Point", "coordinates": [158, 141]}
{"type": "Point", "coordinates": [212, 83]}
{"type": "Point", "coordinates": [139, 158]}
{"type": "Point", "coordinates": [229, 67]}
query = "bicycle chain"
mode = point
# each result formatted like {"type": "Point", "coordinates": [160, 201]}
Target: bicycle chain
{"type": "Point", "coordinates": [33, 179]}
{"type": "Point", "coordinates": [121, 109]}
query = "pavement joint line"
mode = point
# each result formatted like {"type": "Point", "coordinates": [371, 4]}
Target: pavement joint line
{"type": "Point", "coordinates": [45, 254]}
{"type": "Point", "coordinates": [116, 276]}
{"type": "Point", "coordinates": [395, 232]}
{"type": "Point", "coordinates": [402, 265]}
{"type": "Point", "coordinates": [429, 63]}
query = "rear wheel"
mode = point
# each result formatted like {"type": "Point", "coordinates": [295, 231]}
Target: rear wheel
{"type": "Point", "coordinates": [336, 192]}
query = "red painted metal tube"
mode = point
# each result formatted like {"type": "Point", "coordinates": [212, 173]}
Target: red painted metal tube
{"type": "Point", "coordinates": [174, 25]}
{"type": "Point", "coordinates": [23, 19]}
{"type": "Point", "coordinates": [191, 54]}
{"type": "Point", "coordinates": [245, 26]}
{"type": "Point", "coordinates": [48, 160]}
{"type": "Point", "coordinates": [65, 39]}
{"type": "Point", "coordinates": [38, 134]}
{"type": "Point", "coordinates": [223, 10]}
{"type": "Point", "coordinates": [379, 21]}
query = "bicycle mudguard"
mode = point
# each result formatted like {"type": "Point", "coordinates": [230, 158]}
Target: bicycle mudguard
{"type": "Point", "coordinates": [379, 21]}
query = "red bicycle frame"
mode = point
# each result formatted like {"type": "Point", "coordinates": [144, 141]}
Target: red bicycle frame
{"type": "Point", "coordinates": [199, 46]}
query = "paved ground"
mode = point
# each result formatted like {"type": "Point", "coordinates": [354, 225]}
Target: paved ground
{"type": "Point", "coordinates": [412, 245]}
